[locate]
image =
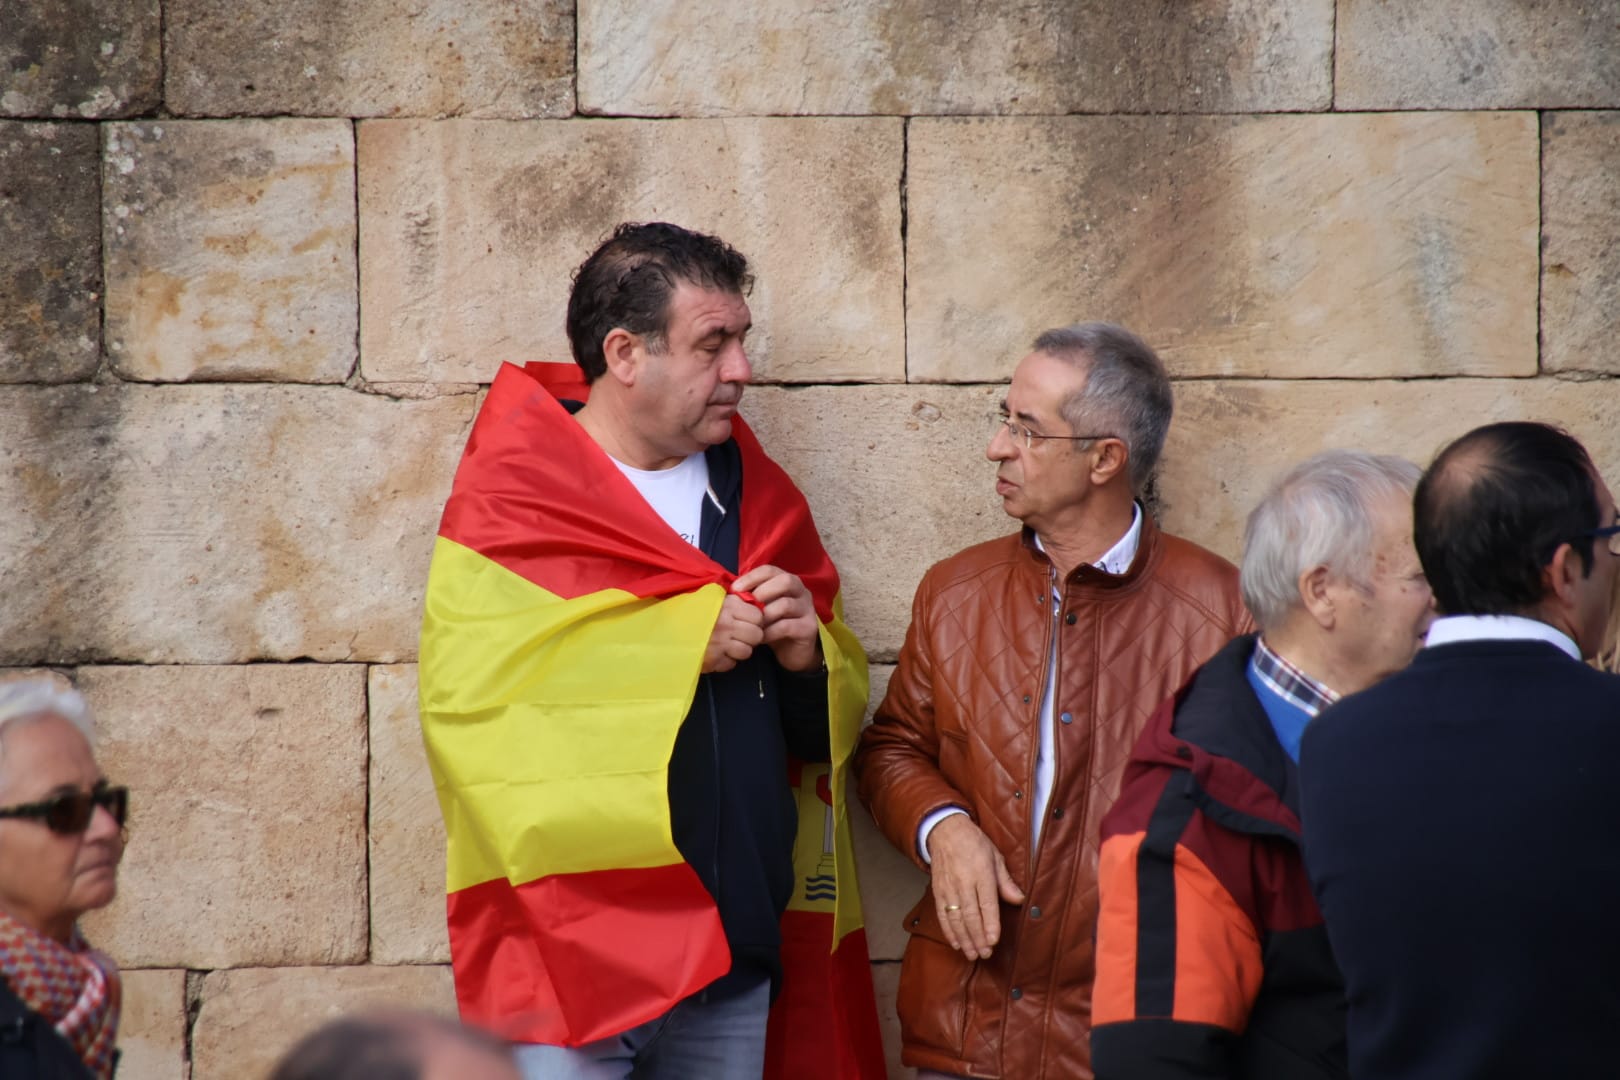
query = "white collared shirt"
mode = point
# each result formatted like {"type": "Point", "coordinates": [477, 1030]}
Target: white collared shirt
{"type": "Point", "coordinates": [1116, 560]}
{"type": "Point", "coordinates": [1455, 628]}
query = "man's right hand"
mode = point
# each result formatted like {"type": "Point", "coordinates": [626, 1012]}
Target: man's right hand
{"type": "Point", "coordinates": [740, 627]}
{"type": "Point", "coordinates": [969, 877]}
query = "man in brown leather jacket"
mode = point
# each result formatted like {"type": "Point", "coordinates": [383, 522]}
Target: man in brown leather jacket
{"type": "Point", "coordinates": [1030, 666]}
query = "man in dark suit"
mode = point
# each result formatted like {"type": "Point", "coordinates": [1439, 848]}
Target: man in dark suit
{"type": "Point", "coordinates": [1460, 815]}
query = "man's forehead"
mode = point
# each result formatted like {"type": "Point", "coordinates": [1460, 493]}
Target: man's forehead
{"type": "Point", "coordinates": [711, 307]}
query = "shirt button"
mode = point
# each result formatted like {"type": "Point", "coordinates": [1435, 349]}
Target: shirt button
{"type": "Point", "coordinates": [1071, 618]}
{"type": "Point", "coordinates": [1034, 912]}
{"type": "Point", "coordinates": [1026, 699]}
{"type": "Point", "coordinates": [1016, 993]}
{"type": "Point", "coordinates": [1058, 812]}
{"type": "Point", "coordinates": [1066, 718]}
{"type": "Point", "coordinates": [1018, 794]}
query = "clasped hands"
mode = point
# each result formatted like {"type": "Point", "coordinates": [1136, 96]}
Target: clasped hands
{"type": "Point", "coordinates": [783, 618]}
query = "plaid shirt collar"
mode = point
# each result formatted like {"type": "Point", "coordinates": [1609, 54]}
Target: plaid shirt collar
{"type": "Point", "coordinates": [1286, 680]}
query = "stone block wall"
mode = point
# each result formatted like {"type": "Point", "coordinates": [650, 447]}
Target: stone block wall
{"type": "Point", "coordinates": [257, 260]}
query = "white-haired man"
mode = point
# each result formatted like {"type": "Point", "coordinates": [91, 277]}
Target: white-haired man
{"type": "Point", "coordinates": [1212, 959]}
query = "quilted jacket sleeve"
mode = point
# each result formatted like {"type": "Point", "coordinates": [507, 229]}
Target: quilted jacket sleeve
{"type": "Point", "coordinates": [897, 763]}
{"type": "Point", "coordinates": [1178, 961]}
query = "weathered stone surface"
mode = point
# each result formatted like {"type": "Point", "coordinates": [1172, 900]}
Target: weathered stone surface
{"type": "Point", "coordinates": [250, 1017]}
{"type": "Point", "coordinates": [897, 479]}
{"type": "Point", "coordinates": [498, 58]}
{"type": "Point", "coordinates": [471, 231]}
{"type": "Point", "coordinates": [231, 250]}
{"type": "Point", "coordinates": [1477, 54]}
{"type": "Point", "coordinates": [407, 830]}
{"type": "Point", "coordinates": [886, 982]}
{"type": "Point", "coordinates": [665, 58]}
{"type": "Point", "coordinates": [1230, 440]}
{"type": "Point", "coordinates": [50, 261]}
{"type": "Point", "coordinates": [1278, 246]}
{"type": "Point", "coordinates": [152, 1027]}
{"type": "Point", "coordinates": [247, 813]}
{"type": "Point", "coordinates": [218, 524]}
{"type": "Point", "coordinates": [86, 59]}
{"type": "Point", "coordinates": [1580, 272]}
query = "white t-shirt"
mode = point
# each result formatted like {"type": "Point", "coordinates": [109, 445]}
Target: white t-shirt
{"type": "Point", "coordinates": [676, 493]}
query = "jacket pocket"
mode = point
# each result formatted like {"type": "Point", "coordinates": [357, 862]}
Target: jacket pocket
{"type": "Point", "coordinates": [935, 981]}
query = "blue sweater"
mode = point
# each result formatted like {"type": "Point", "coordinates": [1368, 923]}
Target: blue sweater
{"type": "Point", "coordinates": [1461, 825]}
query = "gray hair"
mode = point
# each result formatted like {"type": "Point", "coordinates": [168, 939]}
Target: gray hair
{"type": "Point", "coordinates": [1322, 513]}
{"type": "Point", "coordinates": [44, 695]}
{"type": "Point", "coordinates": [1126, 393]}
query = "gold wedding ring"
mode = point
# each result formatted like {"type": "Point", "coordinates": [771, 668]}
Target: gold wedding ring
{"type": "Point", "coordinates": [953, 907]}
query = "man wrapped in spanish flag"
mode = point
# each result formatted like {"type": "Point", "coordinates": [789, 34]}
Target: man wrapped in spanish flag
{"type": "Point", "coordinates": [633, 651]}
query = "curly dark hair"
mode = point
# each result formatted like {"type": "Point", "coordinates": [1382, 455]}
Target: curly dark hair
{"type": "Point", "coordinates": [627, 283]}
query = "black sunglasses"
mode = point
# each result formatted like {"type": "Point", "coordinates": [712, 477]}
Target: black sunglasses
{"type": "Point", "coordinates": [70, 813]}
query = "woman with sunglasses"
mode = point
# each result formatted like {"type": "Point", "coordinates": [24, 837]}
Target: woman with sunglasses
{"type": "Point", "coordinates": [61, 838]}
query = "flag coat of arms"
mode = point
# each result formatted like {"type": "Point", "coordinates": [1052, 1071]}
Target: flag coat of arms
{"type": "Point", "coordinates": [562, 642]}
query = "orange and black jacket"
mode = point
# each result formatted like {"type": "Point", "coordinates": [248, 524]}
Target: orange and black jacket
{"type": "Point", "coordinates": [1212, 959]}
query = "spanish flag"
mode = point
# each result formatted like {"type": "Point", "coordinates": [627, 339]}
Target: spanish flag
{"type": "Point", "coordinates": [562, 641]}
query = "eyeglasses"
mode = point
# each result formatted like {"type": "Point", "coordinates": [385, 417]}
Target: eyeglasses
{"type": "Point", "coordinates": [1612, 532]}
{"type": "Point", "coordinates": [1028, 437]}
{"type": "Point", "coordinates": [70, 813]}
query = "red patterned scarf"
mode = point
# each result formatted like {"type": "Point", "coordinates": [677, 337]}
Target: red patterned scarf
{"type": "Point", "coordinates": [74, 987]}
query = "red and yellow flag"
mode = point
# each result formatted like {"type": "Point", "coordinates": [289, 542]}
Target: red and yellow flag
{"type": "Point", "coordinates": [562, 641]}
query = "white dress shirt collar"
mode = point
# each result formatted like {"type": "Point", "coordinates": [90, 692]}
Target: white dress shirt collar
{"type": "Point", "coordinates": [1455, 628]}
{"type": "Point", "coordinates": [1117, 559]}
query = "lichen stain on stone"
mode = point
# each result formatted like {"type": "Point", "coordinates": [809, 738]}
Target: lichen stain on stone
{"type": "Point", "coordinates": [330, 236]}
{"type": "Point", "coordinates": [239, 245]}
{"type": "Point", "coordinates": [579, 198]}
{"type": "Point", "coordinates": [156, 297]}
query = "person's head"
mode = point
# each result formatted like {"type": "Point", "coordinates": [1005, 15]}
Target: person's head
{"type": "Point", "coordinates": [396, 1045]}
{"type": "Point", "coordinates": [1329, 572]}
{"type": "Point", "coordinates": [657, 320]}
{"type": "Point", "coordinates": [61, 826]}
{"type": "Point", "coordinates": [1506, 523]}
{"type": "Point", "coordinates": [1087, 410]}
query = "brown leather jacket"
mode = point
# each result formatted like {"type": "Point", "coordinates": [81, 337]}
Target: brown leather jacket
{"type": "Point", "coordinates": [960, 726]}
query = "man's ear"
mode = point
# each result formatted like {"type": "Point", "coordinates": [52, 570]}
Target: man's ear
{"type": "Point", "coordinates": [1562, 575]}
{"type": "Point", "coordinates": [1317, 597]}
{"type": "Point", "coordinates": [623, 352]}
{"type": "Point", "coordinates": [1109, 458]}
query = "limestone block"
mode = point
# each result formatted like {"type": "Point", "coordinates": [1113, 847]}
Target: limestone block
{"type": "Point", "coordinates": [886, 983]}
{"type": "Point", "coordinates": [407, 830]}
{"type": "Point", "coordinates": [1477, 54]}
{"type": "Point", "coordinates": [250, 1017]}
{"type": "Point", "coordinates": [50, 261]}
{"type": "Point", "coordinates": [502, 58]}
{"type": "Point", "coordinates": [1230, 440]}
{"type": "Point", "coordinates": [471, 230]}
{"type": "Point", "coordinates": [1580, 274]}
{"type": "Point", "coordinates": [666, 58]}
{"type": "Point", "coordinates": [86, 59]}
{"type": "Point", "coordinates": [230, 250]}
{"type": "Point", "coordinates": [247, 813]}
{"type": "Point", "coordinates": [152, 1026]}
{"type": "Point", "coordinates": [218, 524]}
{"type": "Point", "coordinates": [897, 479]}
{"type": "Point", "coordinates": [1274, 246]}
